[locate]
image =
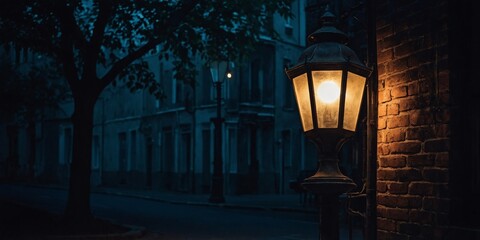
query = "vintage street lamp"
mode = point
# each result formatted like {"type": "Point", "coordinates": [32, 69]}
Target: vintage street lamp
{"type": "Point", "coordinates": [218, 69]}
{"type": "Point", "coordinates": [329, 82]}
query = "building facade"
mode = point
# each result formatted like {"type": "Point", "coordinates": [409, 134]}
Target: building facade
{"type": "Point", "coordinates": [428, 136]}
{"type": "Point", "coordinates": [140, 141]}
{"type": "Point", "coordinates": [168, 145]}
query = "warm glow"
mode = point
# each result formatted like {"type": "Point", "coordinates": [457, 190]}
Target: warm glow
{"type": "Point", "coordinates": [328, 92]}
{"type": "Point", "coordinates": [229, 75]}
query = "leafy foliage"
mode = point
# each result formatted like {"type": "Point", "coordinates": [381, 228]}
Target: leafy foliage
{"type": "Point", "coordinates": [115, 34]}
{"type": "Point", "coordinates": [24, 91]}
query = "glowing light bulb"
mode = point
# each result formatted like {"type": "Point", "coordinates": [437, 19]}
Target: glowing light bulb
{"type": "Point", "coordinates": [229, 75]}
{"type": "Point", "coordinates": [328, 92]}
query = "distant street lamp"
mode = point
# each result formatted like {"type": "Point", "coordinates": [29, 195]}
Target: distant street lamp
{"type": "Point", "coordinates": [329, 82]}
{"type": "Point", "coordinates": [219, 70]}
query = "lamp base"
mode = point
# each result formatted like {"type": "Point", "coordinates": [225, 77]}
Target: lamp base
{"type": "Point", "coordinates": [328, 185]}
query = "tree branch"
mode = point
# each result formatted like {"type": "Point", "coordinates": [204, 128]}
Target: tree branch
{"type": "Point", "coordinates": [66, 47]}
{"type": "Point", "coordinates": [176, 17]}
{"type": "Point", "coordinates": [105, 12]}
{"type": "Point", "coordinates": [67, 20]}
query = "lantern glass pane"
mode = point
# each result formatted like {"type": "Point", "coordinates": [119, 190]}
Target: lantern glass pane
{"type": "Point", "coordinates": [353, 100]}
{"type": "Point", "coordinates": [327, 86]}
{"type": "Point", "coordinates": [218, 71]}
{"type": "Point", "coordinates": [300, 85]}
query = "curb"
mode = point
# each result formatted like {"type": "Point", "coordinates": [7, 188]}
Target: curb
{"type": "Point", "coordinates": [206, 204]}
{"type": "Point", "coordinates": [135, 232]}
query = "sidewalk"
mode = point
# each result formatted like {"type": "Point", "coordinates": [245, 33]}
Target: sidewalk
{"type": "Point", "coordinates": [265, 202]}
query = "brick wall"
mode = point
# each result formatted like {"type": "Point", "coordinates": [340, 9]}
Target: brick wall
{"type": "Point", "coordinates": [413, 119]}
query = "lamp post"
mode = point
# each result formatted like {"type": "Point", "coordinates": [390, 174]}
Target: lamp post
{"type": "Point", "coordinates": [329, 82]}
{"type": "Point", "coordinates": [218, 69]}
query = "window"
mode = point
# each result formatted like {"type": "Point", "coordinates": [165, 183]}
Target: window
{"type": "Point", "coordinates": [179, 94]}
{"type": "Point", "coordinates": [206, 152]}
{"type": "Point", "coordinates": [160, 82]}
{"type": "Point", "coordinates": [133, 151]}
{"type": "Point", "coordinates": [268, 25]}
{"type": "Point", "coordinates": [122, 151]}
{"type": "Point", "coordinates": [287, 148]}
{"type": "Point", "coordinates": [65, 145]}
{"type": "Point", "coordinates": [256, 80]}
{"type": "Point", "coordinates": [174, 85]}
{"type": "Point", "coordinates": [95, 152]}
{"type": "Point", "coordinates": [232, 150]}
{"type": "Point", "coordinates": [167, 147]}
{"type": "Point", "coordinates": [288, 24]}
{"type": "Point", "coordinates": [184, 152]}
{"type": "Point", "coordinates": [287, 87]}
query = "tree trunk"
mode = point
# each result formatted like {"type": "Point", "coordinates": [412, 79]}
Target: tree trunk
{"type": "Point", "coordinates": [32, 149]}
{"type": "Point", "coordinates": [78, 211]}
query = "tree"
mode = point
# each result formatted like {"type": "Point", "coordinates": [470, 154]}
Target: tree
{"type": "Point", "coordinates": [25, 90]}
{"type": "Point", "coordinates": [86, 36]}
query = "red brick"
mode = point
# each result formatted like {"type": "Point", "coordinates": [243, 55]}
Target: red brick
{"type": "Point", "coordinates": [398, 188]}
{"type": "Point", "coordinates": [382, 72]}
{"type": "Point", "coordinates": [422, 189]}
{"type": "Point", "coordinates": [385, 55]}
{"type": "Point", "coordinates": [442, 116]}
{"type": "Point", "coordinates": [398, 121]}
{"type": "Point", "coordinates": [420, 133]}
{"type": "Point", "coordinates": [414, 74]}
{"type": "Point", "coordinates": [444, 98]}
{"type": "Point", "coordinates": [424, 85]}
{"type": "Point", "coordinates": [383, 150]}
{"type": "Point", "coordinates": [409, 228]}
{"type": "Point", "coordinates": [399, 201]}
{"type": "Point", "coordinates": [405, 48]}
{"type": "Point", "coordinates": [405, 147]}
{"type": "Point", "coordinates": [442, 130]}
{"type": "Point", "coordinates": [387, 200]}
{"type": "Point", "coordinates": [437, 145]}
{"type": "Point", "coordinates": [420, 117]}
{"type": "Point", "coordinates": [420, 216]}
{"type": "Point", "coordinates": [412, 89]}
{"type": "Point", "coordinates": [397, 214]}
{"type": "Point", "coordinates": [381, 186]}
{"type": "Point", "coordinates": [393, 109]}
{"type": "Point", "coordinates": [382, 123]}
{"type": "Point", "coordinates": [407, 175]}
{"type": "Point", "coordinates": [399, 92]}
{"type": "Point", "coordinates": [388, 42]}
{"type": "Point", "coordinates": [397, 79]}
{"type": "Point", "coordinates": [381, 136]}
{"type": "Point", "coordinates": [407, 104]}
{"type": "Point", "coordinates": [421, 160]}
{"type": "Point", "coordinates": [384, 174]}
{"type": "Point", "coordinates": [386, 224]}
{"type": "Point", "coordinates": [444, 80]}
{"type": "Point", "coordinates": [382, 110]}
{"type": "Point", "coordinates": [384, 96]}
{"type": "Point", "coordinates": [395, 135]}
{"type": "Point", "coordinates": [385, 31]}
{"type": "Point", "coordinates": [424, 57]}
{"type": "Point", "coordinates": [441, 160]}
{"type": "Point", "coordinates": [414, 202]}
{"type": "Point", "coordinates": [382, 211]}
{"type": "Point", "coordinates": [392, 161]}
